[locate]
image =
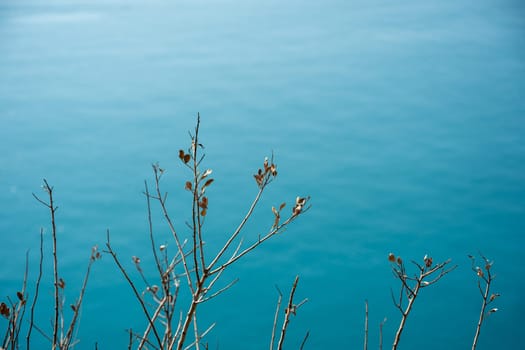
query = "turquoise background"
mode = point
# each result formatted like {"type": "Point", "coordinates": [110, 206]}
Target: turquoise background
{"type": "Point", "coordinates": [403, 120]}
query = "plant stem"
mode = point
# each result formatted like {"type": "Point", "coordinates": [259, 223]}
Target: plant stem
{"type": "Point", "coordinates": [366, 325]}
{"type": "Point", "coordinates": [405, 316]}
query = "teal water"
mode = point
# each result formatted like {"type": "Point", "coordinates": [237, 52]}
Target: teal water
{"type": "Point", "coordinates": [402, 120]}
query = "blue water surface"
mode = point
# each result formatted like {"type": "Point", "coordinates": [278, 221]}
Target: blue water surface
{"type": "Point", "coordinates": [404, 121]}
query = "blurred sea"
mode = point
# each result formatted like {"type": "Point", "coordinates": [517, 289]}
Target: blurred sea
{"type": "Point", "coordinates": [404, 121]}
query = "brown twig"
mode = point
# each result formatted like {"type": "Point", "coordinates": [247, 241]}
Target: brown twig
{"type": "Point", "coordinates": [162, 201]}
{"type": "Point", "coordinates": [198, 201]}
{"type": "Point", "coordinates": [411, 286]}
{"type": "Point", "coordinates": [201, 276]}
{"type": "Point", "coordinates": [276, 317]}
{"type": "Point", "coordinates": [381, 324]}
{"type": "Point", "coordinates": [52, 209]}
{"type": "Point", "coordinates": [291, 309]}
{"type": "Point", "coordinates": [14, 313]}
{"type": "Point", "coordinates": [132, 285]}
{"type": "Point", "coordinates": [484, 274]}
{"type": "Point", "coordinates": [65, 343]}
{"type": "Point", "coordinates": [366, 326]}
{"type": "Point", "coordinates": [304, 340]}
{"type": "Point", "coordinates": [274, 231]}
{"type": "Point", "coordinates": [22, 300]}
{"type": "Point", "coordinates": [37, 287]}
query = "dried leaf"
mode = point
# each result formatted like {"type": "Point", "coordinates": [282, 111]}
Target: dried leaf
{"type": "Point", "coordinates": [181, 154]}
{"type": "Point", "coordinates": [275, 212]}
{"type": "Point", "coordinates": [204, 203]}
{"type": "Point", "coordinates": [273, 169]}
{"type": "Point", "coordinates": [188, 186]}
{"type": "Point", "coordinates": [73, 307]}
{"type": "Point", "coordinates": [186, 158]}
{"type": "Point", "coordinates": [391, 257]}
{"type": "Point", "coordinates": [494, 296]}
{"type": "Point", "coordinates": [207, 183]}
{"type": "Point", "coordinates": [203, 212]}
{"type": "Point", "coordinates": [258, 179]}
{"type": "Point", "coordinates": [4, 310]}
{"type": "Point", "coordinates": [20, 296]}
{"type": "Point", "coordinates": [282, 206]}
{"type": "Point", "coordinates": [276, 221]}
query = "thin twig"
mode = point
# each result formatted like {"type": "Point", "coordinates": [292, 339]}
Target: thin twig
{"type": "Point", "coordinates": [52, 209]}
{"type": "Point", "coordinates": [37, 286]}
{"type": "Point", "coordinates": [381, 333]}
{"type": "Point", "coordinates": [366, 326]}
{"type": "Point", "coordinates": [290, 310]}
{"type": "Point", "coordinates": [153, 318]}
{"type": "Point", "coordinates": [201, 336]}
{"type": "Point", "coordinates": [150, 228]}
{"type": "Point", "coordinates": [304, 340]}
{"type": "Point", "coordinates": [172, 228]}
{"type": "Point", "coordinates": [197, 230]}
{"type": "Point", "coordinates": [77, 306]}
{"type": "Point", "coordinates": [220, 291]}
{"type": "Point", "coordinates": [130, 343]}
{"type": "Point", "coordinates": [21, 308]}
{"type": "Point", "coordinates": [237, 231]}
{"type": "Point", "coordinates": [135, 291]}
{"type": "Point", "coordinates": [276, 317]}
{"type": "Point", "coordinates": [428, 270]}
{"type": "Point", "coordinates": [487, 277]}
{"type": "Point", "coordinates": [254, 245]}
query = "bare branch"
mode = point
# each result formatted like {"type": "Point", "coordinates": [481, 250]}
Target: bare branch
{"type": "Point", "coordinates": [381, 333]}
{"type": "Point", "coordinates": [304, 340]}
{"type": "Point", "coordinates": [291, 309]}
{"type": "Point", "coordinates": [237, 231]}
{"type": "Point", "coordinates": [135, 291]}
{"type": "Point", "coordinates": [485, 275]}
{"type": "Point", "coordinates": [37, 287]}
{"type": "Point", "coordinates": [366, 326]}
{"type": "Point", "coordinates": [254, 245]}
{"type": "Point", "coordinates": [76, 307]}
{"type": "Point", "coordinates": [220, 291]}
{"type": "Point", "coordinates": [412, 286]}
{"type": "Point", "coordinates": [150, 227]}
{"type": "Point", "coordinates": [274, 328]}
{"type": "Point", "coordinates": [50, 205]}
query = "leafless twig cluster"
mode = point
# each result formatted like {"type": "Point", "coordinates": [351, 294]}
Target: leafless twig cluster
{"type": "Point", "coordinates": [63, 335]}
{"type": "Point", "coordinates": [192, 269]}
{"type": "Point", "coordinates": [426, 275]}
{"type": "Point", "coordinates": [192, 266]}
{"type": "Point", "coordinates": [485, 279]}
